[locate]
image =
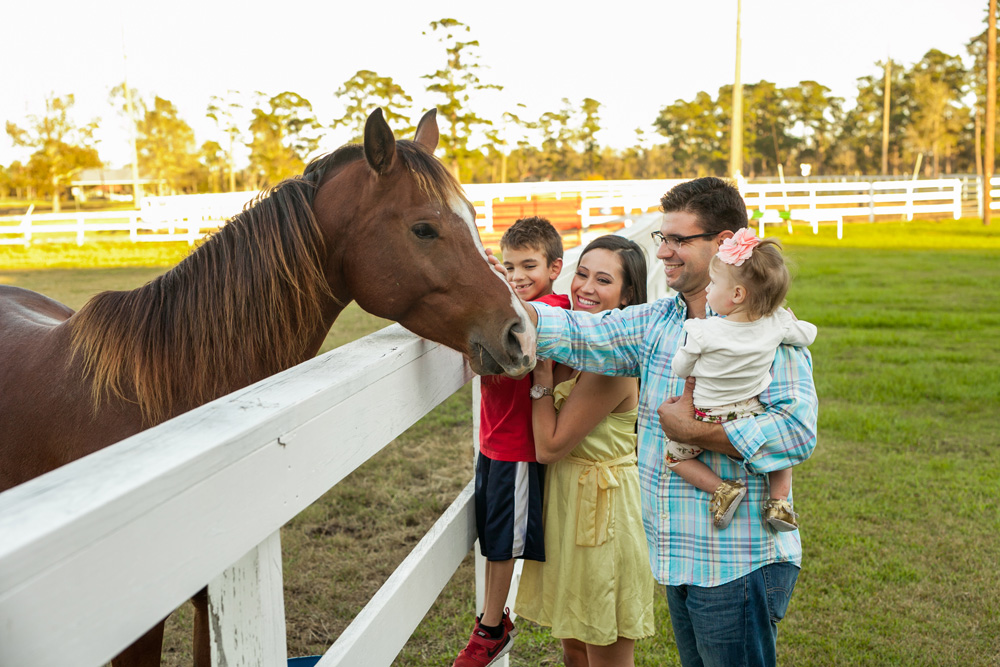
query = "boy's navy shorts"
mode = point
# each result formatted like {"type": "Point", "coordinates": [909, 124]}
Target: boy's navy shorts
{"type": "Point", "coordinates": [509, 509]}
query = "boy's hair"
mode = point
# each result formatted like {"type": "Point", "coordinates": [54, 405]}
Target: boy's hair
{"type": "Point", "coordinates": [633, 259]}
{"type": "Point", "coordinates": [534, 233]}
{"type": "Point", "coordinates": [715, 202]}
{"type": "Point", "coordinates": [763, 274]}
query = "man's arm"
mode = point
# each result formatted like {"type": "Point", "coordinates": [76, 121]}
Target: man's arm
{"type": "Point", "coordinates": [605, 343]}
{"type": "Point", "coordinates": [678, 423]}
{"type": "Point", "coordinates": [785, 435]}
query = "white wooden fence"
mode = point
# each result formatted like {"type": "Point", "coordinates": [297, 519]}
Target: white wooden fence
{"type": "Point", "coordinates": [189, 217]}
{"type": "Point", "coordinates": [184, 218]}
{"type": "Point", "coordinates": [994, 195]}
{"type": "Point", "coordinates": [832, 202]}
{"type": "Point", "coordinates": [96, 552]}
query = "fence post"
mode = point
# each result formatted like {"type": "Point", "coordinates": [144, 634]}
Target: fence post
{"type": "Point", "coordinates": [26, 225]}
{"type": "Point", "coordinates": [488, 213]}
{"type": "Point", "coordinates": [480, 561]}
{"type": "Point", "coordinates": [909, 201]}
{"type": "Point", "coordinates": [133, 226]}
{"type": "Point", "coordinates": [979, 196]}
{"type": "Point", "coordinates": [871, 201]}
{"type": "Point", "coordinates": [584, 214]}
{"type": "Point", "coordinates": [812, 207]}
{"type": "Point", "coordinates": [79, 229]}
{"type": "Point", "coordinates": [246, 609]}
{"type": "Point", "coordinates": [957, 188]}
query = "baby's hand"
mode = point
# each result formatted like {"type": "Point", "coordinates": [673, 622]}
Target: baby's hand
{"type": "Point", "coordinates": [497, 264]}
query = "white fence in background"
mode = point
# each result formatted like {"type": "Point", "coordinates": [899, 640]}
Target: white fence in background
{"type": "Point", "coordinates": [832, 202]}
{"type": "Point", "coordinates": [189, 217]}
{"type": "Point", "coordinates": [98, 551]}
{"type": "Point", "coordinates": [185, 218]}
{"type": "Point", "coordinates": [994, 195]}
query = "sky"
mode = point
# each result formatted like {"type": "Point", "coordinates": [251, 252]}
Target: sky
{"type": "Point", "coordinates": [633, 56]}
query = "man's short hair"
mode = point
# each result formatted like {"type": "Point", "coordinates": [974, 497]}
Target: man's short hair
{"type": "Point", "coordinates": [535, 233]}
{"type": "Point", "coordinates": [715, 202]}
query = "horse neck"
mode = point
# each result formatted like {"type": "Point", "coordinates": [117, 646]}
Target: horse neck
{"type": "Point", "coordinates": [253, 300]}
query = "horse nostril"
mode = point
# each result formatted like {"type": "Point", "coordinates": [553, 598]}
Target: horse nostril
{"type": "Point", "coordinates": [512, 342]}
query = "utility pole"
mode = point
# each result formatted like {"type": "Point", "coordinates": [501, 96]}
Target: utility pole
{"type": "Point", "coordinates": [136, 187]}
{"type": "Point", "coordinates": [886, 85]}
{"type": "Point", "coordinates": [991, 108]}
{"type": "Point", "coordinates": [736, 139]}
{"type": "Point", "coordinates": [979, 161]}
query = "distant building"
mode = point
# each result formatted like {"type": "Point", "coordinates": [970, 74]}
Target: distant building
{"type": "Point", "coordinates": [105, 183]}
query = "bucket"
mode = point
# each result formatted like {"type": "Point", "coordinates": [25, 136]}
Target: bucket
{"type": "Point", "coordinates": [307, 661]}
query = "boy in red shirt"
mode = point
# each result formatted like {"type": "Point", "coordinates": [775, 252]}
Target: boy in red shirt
{"type": "Point", "coordinates": [508, 478]}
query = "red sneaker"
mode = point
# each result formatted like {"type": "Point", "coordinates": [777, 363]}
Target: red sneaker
{"type": "Point", "coordinates": [482, 650]}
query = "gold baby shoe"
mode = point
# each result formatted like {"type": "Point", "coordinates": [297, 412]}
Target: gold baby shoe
{"type": "Point", "coordinates": [778, 513]}
{"type": "Point", "coordinates": [725, 501]}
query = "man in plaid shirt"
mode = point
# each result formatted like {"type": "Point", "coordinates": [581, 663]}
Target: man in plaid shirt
{"type": "Point", "coordinates": [727, 589]}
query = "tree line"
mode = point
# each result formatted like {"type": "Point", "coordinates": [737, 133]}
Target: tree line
{"type": "Point", "coordinates": [936, 106]}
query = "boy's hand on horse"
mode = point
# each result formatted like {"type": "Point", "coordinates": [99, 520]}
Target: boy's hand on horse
{"type": "Point", "coordinates": [502, 270]}
{"type": "Point", "coordinates": [497, 264]}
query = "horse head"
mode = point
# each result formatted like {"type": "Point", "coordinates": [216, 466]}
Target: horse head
{"type": "Point", "coordinates": [403, 243]}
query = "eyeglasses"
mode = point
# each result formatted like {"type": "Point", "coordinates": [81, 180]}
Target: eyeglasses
{"type": "Point", "coordinates": [677, 242]}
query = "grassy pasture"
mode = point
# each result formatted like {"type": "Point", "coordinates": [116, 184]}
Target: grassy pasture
{"type": "Point", "coordinates": [899, 504]}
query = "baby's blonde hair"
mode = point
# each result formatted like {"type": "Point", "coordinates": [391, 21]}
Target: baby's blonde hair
{"type": "Point", "coordinates": [764, 276]}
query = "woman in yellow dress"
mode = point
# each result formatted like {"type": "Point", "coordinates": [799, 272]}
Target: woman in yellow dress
{"type": "Point", "coordinates": [595, 588]}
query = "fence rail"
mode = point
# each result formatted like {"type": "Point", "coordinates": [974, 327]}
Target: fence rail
{"type": "Point", "coordinates": [96, 552]}
{"type": "Point", "coordinates": [832, 202]}
{"type": "Point", "coordinates": [185, 218]}
{"type": "Point", "coordinates": [574, 206]}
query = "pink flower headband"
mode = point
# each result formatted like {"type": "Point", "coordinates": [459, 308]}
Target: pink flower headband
{"type": "Point", "coordinates": [738, 248]}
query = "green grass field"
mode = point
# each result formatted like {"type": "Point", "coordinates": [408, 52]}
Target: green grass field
{"type": "Point", "coordinates": [899, 504]}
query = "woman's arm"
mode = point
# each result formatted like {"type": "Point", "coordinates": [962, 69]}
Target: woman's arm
{"type": "Point", "coordinates": [593, 398]}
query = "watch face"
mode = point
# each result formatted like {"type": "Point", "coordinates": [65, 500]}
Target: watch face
{"type": "Point", "coordinates": [538, 391]}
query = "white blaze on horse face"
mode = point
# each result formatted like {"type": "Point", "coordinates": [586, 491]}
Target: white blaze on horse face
{"type": "Point", "coordinates": [527, 338]}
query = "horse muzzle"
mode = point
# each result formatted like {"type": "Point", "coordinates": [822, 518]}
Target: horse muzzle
{"type": "Point", "coordinates": [512, 353]}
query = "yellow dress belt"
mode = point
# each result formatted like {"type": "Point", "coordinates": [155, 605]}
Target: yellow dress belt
{"type": "Point", "coordinates": [597, 480]}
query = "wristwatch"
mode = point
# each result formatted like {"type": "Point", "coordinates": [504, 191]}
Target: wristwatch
{"type": "Point", "coordinates": [540, 390]}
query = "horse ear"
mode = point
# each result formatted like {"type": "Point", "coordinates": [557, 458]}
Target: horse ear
{"type": "Point", "coordinates": [427, 131]}
{"type": "Point", "coordinates": [380, 146]}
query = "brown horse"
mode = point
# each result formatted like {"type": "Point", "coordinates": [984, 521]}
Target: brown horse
{"type": "Point", "coordinates": [384, 224]}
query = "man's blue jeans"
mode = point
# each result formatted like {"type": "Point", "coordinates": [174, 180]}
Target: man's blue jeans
{"type": "Point", "coordinates": [735, 624]}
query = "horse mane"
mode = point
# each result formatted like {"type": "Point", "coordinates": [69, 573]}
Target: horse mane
{"type": "Point", "coordinates": [244, 305]}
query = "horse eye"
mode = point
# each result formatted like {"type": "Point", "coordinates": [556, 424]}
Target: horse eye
{"type": "Point", "coordinates": [424, 231]}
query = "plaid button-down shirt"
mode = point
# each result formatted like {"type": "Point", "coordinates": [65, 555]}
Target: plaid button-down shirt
{"type": "Point", "coordinates": [684, 546]}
